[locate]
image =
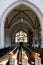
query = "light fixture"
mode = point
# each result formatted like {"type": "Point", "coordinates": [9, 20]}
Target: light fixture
{"type": "Point", "coordinates": [21, 19]}
{"type": "Point", "coordinates": [32, 62]}
{"type": "Point", "coordinates": [38, 54]}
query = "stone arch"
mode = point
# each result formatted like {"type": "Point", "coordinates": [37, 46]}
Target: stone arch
{"type": "Point", "coordinates": [10, 8]}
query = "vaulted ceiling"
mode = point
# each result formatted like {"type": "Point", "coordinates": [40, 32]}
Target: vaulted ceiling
{"type": "Point", "coordinates": [25, 13]}
{"type": "Point", "coordinates": [22, 17]}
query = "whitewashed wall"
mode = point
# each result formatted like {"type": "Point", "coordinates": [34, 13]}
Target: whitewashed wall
{"type": "Point", "coordinates": [5, 3]}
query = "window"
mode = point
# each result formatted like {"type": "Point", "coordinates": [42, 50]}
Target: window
{"type": "Point", "coordinates": [21, 36]}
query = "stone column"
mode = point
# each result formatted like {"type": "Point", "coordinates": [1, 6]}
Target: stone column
{"type": "Point", "coordinates": [7, 39]}
{"type": "Point", "coordinates": [1, 37]}
{"type": "Point", "coordinates": [1, 44]}
{"type": "Point", "coordinates": [35, 38]}
{"type": "Point", "coordinates": [42, 33]}
{"type": "Point", "coordinates": [42, 40]}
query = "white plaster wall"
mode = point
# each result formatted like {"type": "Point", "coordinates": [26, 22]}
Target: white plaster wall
{"type": "Point", "coordinates": [5, 3]}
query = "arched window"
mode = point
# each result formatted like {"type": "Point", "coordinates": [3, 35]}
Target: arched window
{"type": "Point", "coordinates": [21, 36]}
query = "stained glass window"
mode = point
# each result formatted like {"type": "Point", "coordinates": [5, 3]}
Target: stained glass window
{"type": "Point", "coordinates": [21, 36]}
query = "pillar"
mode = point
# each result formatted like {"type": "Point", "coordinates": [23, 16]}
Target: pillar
{"type": "Point", "coordinates": [42, 33]}
{"type": "Point", "coordinates": [35, 38]}
{"type": "Point", "coordinates": [42, 40]}
{"type": "Point", "coordinates": [7, 38]}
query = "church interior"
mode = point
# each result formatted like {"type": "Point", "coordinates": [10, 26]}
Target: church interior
{"type": "Point", "coordinates": [22, 33]}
